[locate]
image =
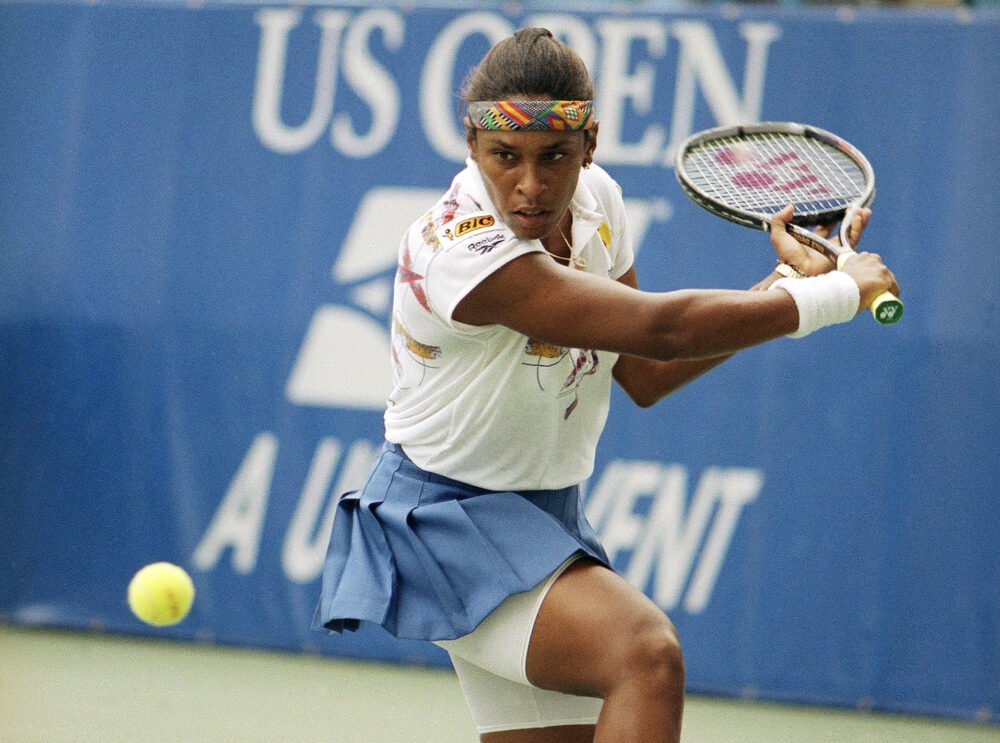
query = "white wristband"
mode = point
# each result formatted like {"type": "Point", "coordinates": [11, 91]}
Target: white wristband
{"type": "Point", "coordinates": [823, 300]}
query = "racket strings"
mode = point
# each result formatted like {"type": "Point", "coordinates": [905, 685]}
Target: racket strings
{"type": "Point", "coordinates": [764, 172]}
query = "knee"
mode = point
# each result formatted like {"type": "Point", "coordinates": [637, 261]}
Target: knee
{"type": "Point", "coordinates": [654, 659]}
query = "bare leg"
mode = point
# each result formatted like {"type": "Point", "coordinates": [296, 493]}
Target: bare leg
{"type": "Point", "coordinates": [597, 635]}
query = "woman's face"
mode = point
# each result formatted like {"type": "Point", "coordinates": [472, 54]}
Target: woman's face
{"type": "Point", "coordinates": [531, 175]}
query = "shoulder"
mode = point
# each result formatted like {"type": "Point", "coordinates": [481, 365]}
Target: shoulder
{"type": "Point", "coordinates": [462, 209]}
{"type": "Point", "coordinates": [456, 214]}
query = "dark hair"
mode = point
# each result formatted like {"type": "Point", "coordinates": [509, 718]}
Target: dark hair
{"type": "Point", "coordinates": [532, 62]}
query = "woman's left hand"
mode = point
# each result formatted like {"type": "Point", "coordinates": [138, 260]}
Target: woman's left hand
{"type": "Point", "coordinates": [805, 259]}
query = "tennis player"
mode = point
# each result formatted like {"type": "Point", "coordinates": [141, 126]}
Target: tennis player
{"type": "Point", "coordinates": [516, 303]}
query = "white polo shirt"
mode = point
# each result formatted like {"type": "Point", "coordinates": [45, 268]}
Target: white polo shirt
{"type": "Point", "coordinates": [487, 405]}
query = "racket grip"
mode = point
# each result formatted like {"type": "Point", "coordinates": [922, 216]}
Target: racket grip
{"type": "Point", "coordinates": [887, 308]}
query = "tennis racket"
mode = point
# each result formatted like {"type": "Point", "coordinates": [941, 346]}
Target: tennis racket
{"type": "Point", "coordinates": [746, 174]}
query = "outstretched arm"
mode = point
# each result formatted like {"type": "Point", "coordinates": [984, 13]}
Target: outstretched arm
{"type": "Point", "coordinates": [547, 302]}
{"type": "Point", "coordinates": [701, 328]}
{"type": "Point", "coordinates": [647, 381]}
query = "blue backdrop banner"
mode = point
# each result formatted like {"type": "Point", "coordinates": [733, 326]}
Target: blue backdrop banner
{"type": "Point", "coordinates": [199, 213]}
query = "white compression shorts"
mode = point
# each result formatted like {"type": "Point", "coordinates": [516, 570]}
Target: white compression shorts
{"type": "Point", "coordinates": [491, 665]}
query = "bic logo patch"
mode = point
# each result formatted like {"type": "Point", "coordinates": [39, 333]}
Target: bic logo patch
{"type": "Point", "coordinates": [470, 225]}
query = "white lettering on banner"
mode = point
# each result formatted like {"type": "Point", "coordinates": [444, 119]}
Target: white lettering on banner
{"type": "Point", "coordinates": [638, 510]}
{"type": "Point", "coordinates": [275, 26]}
{"type": "Point", "coordinates": [307, 538]}
{"type": "Point", "coordinates": [240, 516]}
{"type": "Point", "coordinates": [372, 82]}
{"type": "Point", "coordinates": [627, 56]}
{"type": "Point", "coordinates": [369, 80]}
{"type": "Point", "coordinates": [239, 520]}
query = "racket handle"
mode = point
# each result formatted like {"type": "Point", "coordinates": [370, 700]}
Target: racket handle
{"type": "Point", "coordinates": [887, 307]}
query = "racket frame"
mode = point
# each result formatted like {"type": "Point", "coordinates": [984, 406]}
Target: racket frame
{"type": "Point", "coordinates": [886, 308]}
{"type": "Point", "coordinates": [759, 220]}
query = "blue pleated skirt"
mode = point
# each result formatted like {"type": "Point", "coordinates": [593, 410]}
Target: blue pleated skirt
{"type": "Point", "coordinates": [428, 558]}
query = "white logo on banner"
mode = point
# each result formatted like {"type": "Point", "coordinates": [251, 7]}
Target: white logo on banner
{"type": "Point", "coordinates": [668, 544]}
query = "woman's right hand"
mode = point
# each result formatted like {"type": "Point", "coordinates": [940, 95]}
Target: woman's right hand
{"type": "Point", "coordinates": [872, 277]}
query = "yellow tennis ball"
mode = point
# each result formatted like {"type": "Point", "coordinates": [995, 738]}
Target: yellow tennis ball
{"type": "Point", "coordinates": [161, 594]}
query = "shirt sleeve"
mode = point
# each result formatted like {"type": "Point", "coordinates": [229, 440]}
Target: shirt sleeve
{"type": "Point", "coordinates": [472, 248]}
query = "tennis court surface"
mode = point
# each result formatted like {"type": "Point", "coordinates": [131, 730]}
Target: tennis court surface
{"type": "Point", "coordinates": [62, 687]}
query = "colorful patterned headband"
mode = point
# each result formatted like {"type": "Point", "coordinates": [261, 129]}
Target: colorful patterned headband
{"type": "Point", "coordinates": [530, 115]}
